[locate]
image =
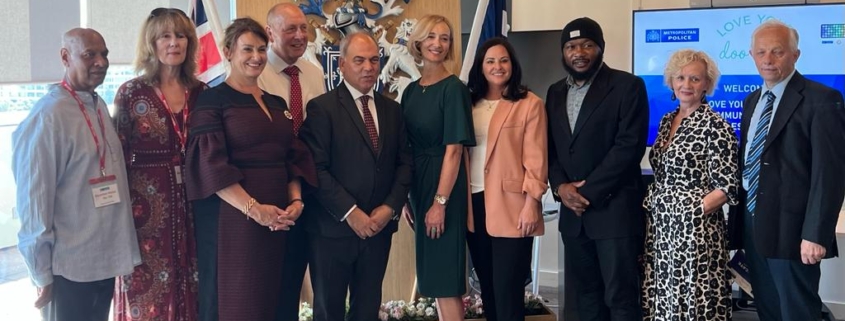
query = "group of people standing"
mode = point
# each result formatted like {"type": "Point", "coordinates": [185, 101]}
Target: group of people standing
{"type": "Point", "coordinates": [198, 205]}
{"type": "Point", "coordinates": [782, 180]}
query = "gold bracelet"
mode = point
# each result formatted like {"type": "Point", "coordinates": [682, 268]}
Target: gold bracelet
{"type": "Point", "coordinates": [248, 207]}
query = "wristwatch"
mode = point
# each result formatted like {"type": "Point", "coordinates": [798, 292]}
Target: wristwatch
{"type": "Point", "coordinates": [440, 199]}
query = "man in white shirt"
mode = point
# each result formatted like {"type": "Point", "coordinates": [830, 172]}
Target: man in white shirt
{"type": "Point", "coordinates": [288, 32]}
{"type": "Point", "coordinates": [77, 231]}
{"type": "Point", "coordinates": [297, 81]}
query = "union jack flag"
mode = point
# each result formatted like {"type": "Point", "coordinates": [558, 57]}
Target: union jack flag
{"type": "Point", "coordinates": [210, 66]}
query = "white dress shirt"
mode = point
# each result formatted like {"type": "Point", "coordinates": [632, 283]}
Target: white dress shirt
{"type": "Point", "coordinates": [276, 82]}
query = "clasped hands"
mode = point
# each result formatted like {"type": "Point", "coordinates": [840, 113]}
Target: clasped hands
{"type": "Point", "coordinates": [276, 218]}
{"type": "Point", "coordinates": [571, 198]}
{"type": "Point", "coordinates": [369, 225]}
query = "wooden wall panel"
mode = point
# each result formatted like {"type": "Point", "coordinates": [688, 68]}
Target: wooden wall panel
{"type": "Point", "coordinates": [399, 278]}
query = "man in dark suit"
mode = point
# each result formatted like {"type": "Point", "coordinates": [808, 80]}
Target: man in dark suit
{"type": "Point", "coordinates": [792, 166]}
{"type": "Point", "coordinates": [363, 165]}
{"type": "Point", "coordinates": [598, 121]}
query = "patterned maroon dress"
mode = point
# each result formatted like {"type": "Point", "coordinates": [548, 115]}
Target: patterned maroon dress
{"type": "Point", "coordinates": [233, 141]}
{"type": "Point", "coordinates": [164, 286]}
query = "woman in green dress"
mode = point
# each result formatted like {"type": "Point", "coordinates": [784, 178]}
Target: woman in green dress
{"type": "Point", "coordinates": [438, 118]}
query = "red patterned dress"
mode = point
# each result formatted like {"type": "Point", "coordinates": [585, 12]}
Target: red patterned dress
{"type": "Point", "coordinates": [164, 286]}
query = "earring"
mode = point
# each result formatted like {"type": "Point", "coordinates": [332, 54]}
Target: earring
{"type": "Point", "coordinates": [704, 98]}
{"type": "Point", "coordinates": [674, 98]}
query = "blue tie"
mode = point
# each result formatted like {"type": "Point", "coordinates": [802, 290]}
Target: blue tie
{"type": "Point", "coordinates": [752, 162]}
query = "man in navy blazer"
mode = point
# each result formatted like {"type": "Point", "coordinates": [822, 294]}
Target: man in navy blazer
{"type": "Point", "coordinates": [598, 125]}
{"type": "Point", "coordinates": [791, 160]}
{"type": "Point", "coordinates": [363, 163]}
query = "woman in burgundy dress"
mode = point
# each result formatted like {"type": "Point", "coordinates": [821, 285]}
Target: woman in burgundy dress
{"type": "Point", "coordinates": [244, 170]}
{"type": "Point", "coordinates": [150, 119]}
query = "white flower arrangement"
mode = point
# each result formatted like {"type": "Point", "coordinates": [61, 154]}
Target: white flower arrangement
{"type": "Point", "coordinates": [305, 312]}
{"type": "Point", "coordinates": [425, 309]}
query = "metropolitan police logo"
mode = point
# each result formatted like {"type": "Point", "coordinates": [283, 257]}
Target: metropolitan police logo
{"type": "Point", "coordinates": [672, 35]}
{"type": "Point", "coordinates": [652, 35]}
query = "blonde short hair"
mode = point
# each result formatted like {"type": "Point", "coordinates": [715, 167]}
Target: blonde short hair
{"type": "Point", "coordinates": [421, 31]}
{"type": "Point", "coordinates": [684, 57]}
{"type": "Point", "coordinates": [158, 22]}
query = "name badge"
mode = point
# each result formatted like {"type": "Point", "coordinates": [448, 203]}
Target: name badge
{"type": "Point", "coordinates": [177, 172]}
{"type": "Point", "coordinates": [104, 190]}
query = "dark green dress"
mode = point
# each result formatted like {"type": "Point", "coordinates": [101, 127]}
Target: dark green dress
{"type": "Point", "coordinates": [436, 116]}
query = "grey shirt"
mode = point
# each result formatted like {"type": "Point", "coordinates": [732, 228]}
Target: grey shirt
{"type": "Point", "coordinates": [62, 232]}
{"type": "Point", "coordinates": [575, 97]}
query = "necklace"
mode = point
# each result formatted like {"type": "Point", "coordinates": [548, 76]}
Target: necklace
{"type": "Point", "coordinates": [424, 87]}
{"type": "Point", "coordinates": [491, 103]}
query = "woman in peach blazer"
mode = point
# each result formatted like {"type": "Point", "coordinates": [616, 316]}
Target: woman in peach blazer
{"type": "Point", "coordinates": [508, 175]}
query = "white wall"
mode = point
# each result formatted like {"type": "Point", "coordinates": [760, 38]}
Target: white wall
{"type": "Point", "coordinates": [613, 15]}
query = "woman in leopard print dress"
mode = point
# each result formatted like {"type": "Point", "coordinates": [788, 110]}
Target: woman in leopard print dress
{"type": "Point", "coordinates": [694, 158]}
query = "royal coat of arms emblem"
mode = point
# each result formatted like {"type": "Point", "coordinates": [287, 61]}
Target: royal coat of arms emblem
{"type": "Point", "coordinates": [382, 19]}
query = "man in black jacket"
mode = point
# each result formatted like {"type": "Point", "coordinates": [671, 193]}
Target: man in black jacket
{"type": "Point", "coordinates": [598, 121]}
{"type": "Point", "coordinates": [363, 165]}
{"type": "Point", "coordinates": [791, 159]}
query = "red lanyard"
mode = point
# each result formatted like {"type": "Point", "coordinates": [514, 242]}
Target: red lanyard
{"type": "Point", "coordinates": [90, 126]}
{"type": "Point", "coordinates": [182, 134]}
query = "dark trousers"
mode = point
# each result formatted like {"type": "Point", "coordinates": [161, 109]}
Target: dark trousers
{"type": "Point", "coordinates": [784, 290]}
{"type": "Point", "coordinates": [293, 272]}
{"type": "Point", "coordinates": [79, 301]}
{"type": "Point", "coordinates": [502, 265]}
{"type": "Point", "coordinates": [348, 264]}
{"type": "Point", "coordinates": [606, 275]}
{"type": "Point", "coordinates": [206, 227]}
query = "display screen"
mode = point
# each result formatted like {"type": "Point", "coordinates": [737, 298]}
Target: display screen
{"type": "Point", "coordinates": [725, 35]}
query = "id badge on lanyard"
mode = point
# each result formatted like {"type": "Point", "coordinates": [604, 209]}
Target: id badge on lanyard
{"type": "Point", "coordinates": [181, 133]}
{"type": "Point", "coordinates": [104, 189]}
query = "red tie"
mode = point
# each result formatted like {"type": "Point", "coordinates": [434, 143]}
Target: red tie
{"type": "Point", "coordinates": [295, 97]}
{"type": "Point", "coordinates": [369, 122]}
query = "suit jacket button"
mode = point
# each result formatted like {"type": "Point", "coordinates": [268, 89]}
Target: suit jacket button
{"type": "Point", "coordinates": [572, 151]}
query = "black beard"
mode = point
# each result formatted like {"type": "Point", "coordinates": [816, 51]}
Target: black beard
{"type": "Point", "coordinates": [585, 75]}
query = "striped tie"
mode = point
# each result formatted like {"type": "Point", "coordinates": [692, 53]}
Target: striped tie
{"type": "Point", "coordinates": [752, 162]}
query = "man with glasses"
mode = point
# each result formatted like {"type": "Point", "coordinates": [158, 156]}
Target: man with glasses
{"type": "Point", "coordinates": [598, 121]}
{"type": "Point", "coordinates": [77, 231]}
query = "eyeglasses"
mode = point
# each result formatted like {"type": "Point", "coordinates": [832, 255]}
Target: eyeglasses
{"type": "Point", "coordinates": [164, 11]}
